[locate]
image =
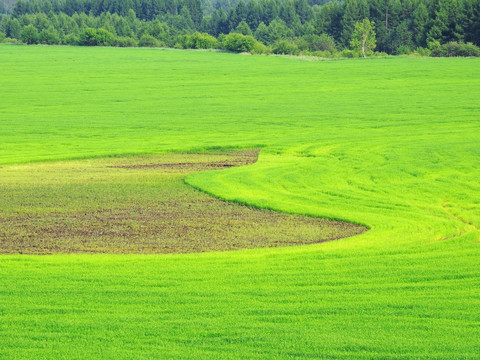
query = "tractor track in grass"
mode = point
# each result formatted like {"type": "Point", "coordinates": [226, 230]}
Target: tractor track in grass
{"type": "Point", "coordinates": [141, 205]}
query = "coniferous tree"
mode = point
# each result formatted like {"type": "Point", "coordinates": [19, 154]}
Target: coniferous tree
{"type": "Point", "coordinates": [253, 14]}
{"type": "Point", "coordinates": [261, 34]}
{"type": "Point", "coordinates": [243, 28]}
{"type": "Point", "coordinates": [355, 10]}
{"type": "Point", "coordinates": [420, 18]}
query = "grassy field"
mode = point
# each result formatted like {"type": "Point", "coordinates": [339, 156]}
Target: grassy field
{"type": "Point", "coordinates": [390, 143]}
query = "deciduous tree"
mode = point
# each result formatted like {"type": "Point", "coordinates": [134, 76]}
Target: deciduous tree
{"type": "Point", "coordinates": [364, 36]}
{"type": "Point", "coordinates": [29, 35]}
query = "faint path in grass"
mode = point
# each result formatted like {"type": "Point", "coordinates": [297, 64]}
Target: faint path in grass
{"type": "Point", "coordinates": [448, 208]}
{"type": "Point", "coordinates": [141, 205]}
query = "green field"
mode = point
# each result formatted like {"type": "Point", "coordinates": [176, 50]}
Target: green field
{"type": "Point", "coordinates": [390, 143]}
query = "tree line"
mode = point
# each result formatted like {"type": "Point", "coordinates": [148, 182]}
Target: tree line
{"type": "Point", "coordinates": [317, 27]}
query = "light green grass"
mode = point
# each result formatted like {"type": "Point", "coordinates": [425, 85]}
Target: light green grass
{"type": "Point", "coordinates": [390, 143]}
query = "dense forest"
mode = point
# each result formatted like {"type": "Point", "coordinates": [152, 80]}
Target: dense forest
{"type": "Point", "coordinates": [317, 27]}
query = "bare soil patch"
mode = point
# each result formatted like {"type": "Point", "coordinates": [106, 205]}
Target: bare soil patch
{"type": "Point", "coordinates": [234, 158]}
{"type": "Point", "coordinates": [141, 205]}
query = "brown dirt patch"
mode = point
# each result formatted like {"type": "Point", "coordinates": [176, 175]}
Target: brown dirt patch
{"type": "Point", "coordinates": [236, 158]}
{"type": "Point", "coordinates": [98, 207]}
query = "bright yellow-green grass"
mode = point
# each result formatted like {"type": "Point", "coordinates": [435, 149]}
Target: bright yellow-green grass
{"type": "Point", "coordinates": [390, 143]}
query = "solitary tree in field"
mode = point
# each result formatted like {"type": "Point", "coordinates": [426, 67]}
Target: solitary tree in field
{"type": "Point", "coordinates": [364, 36]}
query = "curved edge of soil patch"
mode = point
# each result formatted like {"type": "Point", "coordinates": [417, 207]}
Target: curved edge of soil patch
{"type": "Point", "coordinates": [356, 228]}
